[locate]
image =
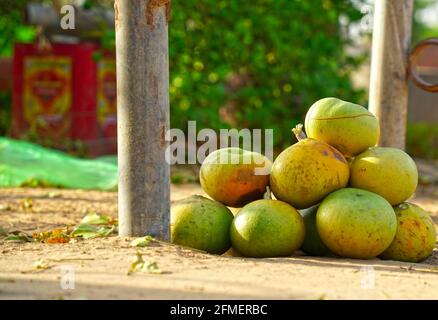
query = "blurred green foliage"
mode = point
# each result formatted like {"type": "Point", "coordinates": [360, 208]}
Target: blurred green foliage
{"type": "Point", "coordinates": [257, 64]}
{"type": "Point", "coordinates": [422, 140]}
{"type": "Point", "coordinates": [246, 64]}
{"type": "Point", "coordinates": [253, 64]}
{"type": "Point", "coordinates": [12, 27]}
{"type": "Point", "coordinates": [420, 30]}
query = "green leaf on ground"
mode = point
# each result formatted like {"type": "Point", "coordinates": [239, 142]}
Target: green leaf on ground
{"type": "Point", "coordinates": [142, 242]}
{"type": "Point", "coordinates": [87, 231]}
{"type": "Point", "coordinates": [18, 238]}
{"type": "Point", "coordinates": [95, 219]}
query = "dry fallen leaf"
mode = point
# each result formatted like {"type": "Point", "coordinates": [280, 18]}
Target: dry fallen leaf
{"type": "Point", "coordinates": [59, 235]}
{"type": "Point", "coordinates": [5, 207]}
{"type": "Point", "coordinates": [39, 266]}
{"type": "Point", "coordinates": [139, 265]}
{"type": "Point", "coordinates": [26, 204]}
{"type": "Point", "coordinates": [53, 195]}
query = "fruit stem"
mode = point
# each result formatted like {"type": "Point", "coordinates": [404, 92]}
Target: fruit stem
{"type": "Point", "coordinates": [267, 195]}
{"type": "Point", "coordinates": [298, 132]}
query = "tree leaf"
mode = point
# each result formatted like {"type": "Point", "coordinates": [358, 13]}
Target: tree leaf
{"type": "Point", "coordinates": [95, 219]}
{"type": "Point", "coordinates": [142, 242]}
{"type": "Point", "coordinates": [18, 238]}
{"type": "Point", "coordinates": [86, 231]}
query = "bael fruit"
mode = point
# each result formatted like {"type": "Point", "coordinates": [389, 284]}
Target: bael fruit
{"type": "Point", "coordinates": [348, 127]}
{"type": "Point", "coordinates": [303, 174]}
{"type": "Point", "coordinates": [267, 228]}
{"type": "Point", "coordinates": [356, 223]}
{"type": "Point", "coordinates": [416, 235]}
{"type": "Point", "coordinates": [389, 172]}
{"type": "Point", "coordinates": [313, 244]}
{"type": "Point", "coordinates": [235, 176]}
{"type": "Point", "coordinates": [201, 223]}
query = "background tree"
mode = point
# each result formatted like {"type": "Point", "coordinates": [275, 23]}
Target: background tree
{"type": "Point", "coordinates": [253, 64]}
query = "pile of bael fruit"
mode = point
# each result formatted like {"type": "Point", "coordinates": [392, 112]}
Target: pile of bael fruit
{"type": "Point", "coordinates": [351, 196]}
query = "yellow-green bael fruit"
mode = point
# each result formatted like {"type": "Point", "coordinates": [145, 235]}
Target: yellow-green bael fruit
{"type": "Point", "coordinates": [348, 127]}
{"type": "Point", "coordinates": [416, 235]}
{"type": "Point", "coordinates": [355, 223]}
{"type": "Point", "coordinates": [313, 245]}
{"type": "Point", "coordinates": [235, 176]}
{"type": "Point", "coordinates": [303, 174]}
{"type": "Point", "coordinates": [389, 172]}
{"type": "Point", "coordinates": [201, 223]}
{"type": "Point", "coordinates": [267, 228]}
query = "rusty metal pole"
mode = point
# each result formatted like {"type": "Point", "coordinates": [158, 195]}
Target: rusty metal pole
{"type": "Point", "coordinates": [143, 117]}
{"type": "Point", "coordinates": [388, 98]}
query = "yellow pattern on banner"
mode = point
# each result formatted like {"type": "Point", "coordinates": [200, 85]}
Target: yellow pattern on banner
{"type": "Point", "coordinates": [47, 93]}
{"type": "Point", "coordinates": [107, 91]}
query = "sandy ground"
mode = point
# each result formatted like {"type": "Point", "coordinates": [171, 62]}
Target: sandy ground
{"type": "Point", "coordinates": [98, 267]}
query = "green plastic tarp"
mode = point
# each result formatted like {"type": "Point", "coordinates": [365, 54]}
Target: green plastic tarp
{"type": "Point", "coordinates": [27, 164]}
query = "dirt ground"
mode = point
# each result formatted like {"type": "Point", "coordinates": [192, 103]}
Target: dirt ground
{"type": "Point", "coordinates": [99, 266]}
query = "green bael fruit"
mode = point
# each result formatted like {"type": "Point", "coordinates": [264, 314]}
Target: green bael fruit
{"type": "Point", "coordinates": [201, 223]}
{"type": "Point", "coordinates": [348, 127]}
{"type": "Point", "coordinates": [267, 228]}
{"type": "Point", "coordinates": [235, 176]}
{"type": "Point", "coordinates": [356, 223]}
{"type": "Point", "coordinates": [306, 172]}
{"type": "Point", "coordinates": [416, 235]}
{"type": "Point", "coordinates": [389, 172]}
{"type": "Point", "coordinates": [313, 244]}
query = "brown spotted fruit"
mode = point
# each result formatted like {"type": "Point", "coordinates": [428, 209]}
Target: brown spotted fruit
{"type": "Point", "coordinates": [416, 235]}
{"type": "Point", "coordinates": [348, 127]}
{"type": "Point", "coordinates": [304, 173]}
{"type": "Point", "coordinates": [389, 172]}
{"type": "Point", "coordinates": [234, 176]}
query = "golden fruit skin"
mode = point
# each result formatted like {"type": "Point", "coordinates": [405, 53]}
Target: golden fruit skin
{"type": "Point", "coordinates": [416, 235]}
{"type": "Point", "coordinates": [234, 183]}
{"type": "Point", "coordinates": [348, 127]}
{"type": "Point", "coordinates": [389, 172]}
{"type": "Point", "coordinates": [303, 174]}
{"type": "Point", "coordinates": [356, 223]}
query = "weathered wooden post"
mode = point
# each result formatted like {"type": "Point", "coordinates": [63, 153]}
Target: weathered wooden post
{"type": "Point", "coordinates": [143, 116]}
{"type": "Point", "coordinates": [388, 98]}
